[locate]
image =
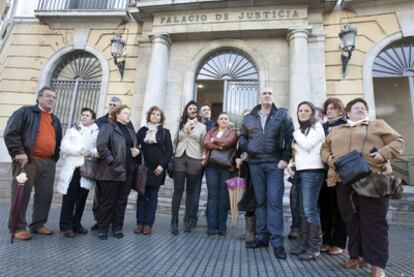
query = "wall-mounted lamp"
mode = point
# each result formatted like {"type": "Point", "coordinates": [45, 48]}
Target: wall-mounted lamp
{"type": "Point", "coordinates": [347, 35]}
{"type": "Point", "coordinates": [118, 44]}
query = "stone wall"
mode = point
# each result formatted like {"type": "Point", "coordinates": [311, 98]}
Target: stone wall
{"type": "Point", "coordinates": [371, 28]}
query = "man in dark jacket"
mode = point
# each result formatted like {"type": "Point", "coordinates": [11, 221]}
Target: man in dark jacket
{"type": "Point", "coordinates": [32, 137]}
{"type": "Point", "coordinates": [205, 114]}
{"type": "Point", "coordinates": [113, 104]}
{"type": "Point", "coordinates": [266, 136]}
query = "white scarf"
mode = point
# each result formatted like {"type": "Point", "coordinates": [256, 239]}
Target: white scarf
{"type": "Point", "coordinates": [353, 123]}
{"type": "Point", "coordinates": [150, 137]}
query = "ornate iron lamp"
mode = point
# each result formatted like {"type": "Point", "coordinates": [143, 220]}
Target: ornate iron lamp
{"type": "Point", "coordinates": [347, 35]}
{"type": "Point", "coordinates": [118, 44]}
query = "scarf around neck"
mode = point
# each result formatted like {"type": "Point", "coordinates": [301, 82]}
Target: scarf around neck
{"type": "Point", "coordinates": [150, 137]}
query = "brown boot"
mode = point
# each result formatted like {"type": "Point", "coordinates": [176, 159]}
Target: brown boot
{"type": "Point", "coordinates": [250, 230]}
{"type": "Point", "coordinates": [22, 235]}
{"type": "Point", "coordinates": [139, 229]}
{"type": "Point", "coordinates": [355, 263]}
{"type": "Point", "coordinates": [147, 230]}
{"type": "Point", "coordinates": [377, 271]}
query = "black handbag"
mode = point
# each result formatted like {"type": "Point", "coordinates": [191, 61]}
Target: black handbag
{"type": "Point", "coordinates": [90, 168]}
{"type": "Point", "coordinates": [222, 157]}
{"type": "Point", "coordinates": [352, 166]}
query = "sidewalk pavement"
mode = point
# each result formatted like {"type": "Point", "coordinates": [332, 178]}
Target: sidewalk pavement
{"type": "Point", "coordinates": [162, 254]}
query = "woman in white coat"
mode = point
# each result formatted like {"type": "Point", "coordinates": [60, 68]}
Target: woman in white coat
{"type": "Point", "coordinates": [307, 144]}
{"type": "Point", "coordinates": [78, 144]}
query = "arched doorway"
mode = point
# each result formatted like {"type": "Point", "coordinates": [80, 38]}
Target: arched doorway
{"type": "Point", "coordinates": [227, 80]}
{"type": "Point", "coordinates": [393, 76]}
{"type": "Point", "coordinates": [77, 80]}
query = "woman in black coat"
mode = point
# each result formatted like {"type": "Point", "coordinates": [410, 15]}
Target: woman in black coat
{"type": "Point", "coordinates": [116, 145]}
{"type": "Point", "coordinates": [156, 146]}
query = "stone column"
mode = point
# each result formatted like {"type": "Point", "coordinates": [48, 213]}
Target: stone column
{"type": "Point", "coordinates": [299, 80]}
{"type": "Point", "coordinates": [156, 86]}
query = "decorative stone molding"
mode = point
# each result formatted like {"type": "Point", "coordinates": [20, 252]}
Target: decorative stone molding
{"type": "Point", "coordinates": [369, 59]}
{"type": "Point", "coordinates": [242, 46]}
{"type": "Point", "coordinates": [54, 59]}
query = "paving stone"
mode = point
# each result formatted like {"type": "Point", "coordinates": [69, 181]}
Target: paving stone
{"type": "Point", "coordinates": [163, 254]}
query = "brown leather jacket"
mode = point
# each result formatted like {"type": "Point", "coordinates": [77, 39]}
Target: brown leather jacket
{"type": "Point", "coordinates": [226, 141]}
{"type": "Point", "coordinates": [112, 150]}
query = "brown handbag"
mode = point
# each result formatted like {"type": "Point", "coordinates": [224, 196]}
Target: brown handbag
{"type": "Point", "coordinates": [89, 168]}
{"type": "Point", "coordinates": [378, 185]}
{"type": "Point", "coordinates": [140, 177]}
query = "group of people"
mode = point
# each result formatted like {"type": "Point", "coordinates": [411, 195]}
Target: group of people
{"type": "Point", "coordinates": [267, 144]}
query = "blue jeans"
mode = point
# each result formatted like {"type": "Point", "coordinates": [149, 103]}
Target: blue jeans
{"type": "Point", "coordinates": [269, 188]}
{"type": "Point", "coordinates": [309, 186]}
{"type": "Point", "coordinates": [147, 206]}
{"type": "Point", "coordinates": [218, 198]}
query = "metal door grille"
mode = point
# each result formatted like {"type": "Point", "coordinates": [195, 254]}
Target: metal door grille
{"type": "Point", "coordinates": [76, 80]}
{"type": "Point", "coordinates": [238, 96]}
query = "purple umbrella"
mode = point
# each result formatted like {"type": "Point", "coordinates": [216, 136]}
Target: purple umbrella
{"type": "Point", "coordinates": [17, 202]}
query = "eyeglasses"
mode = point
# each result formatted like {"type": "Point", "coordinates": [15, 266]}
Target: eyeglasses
{"type": "Point", "coordinates": [267, 93]}
{"type": "Point", "coordinates": [48, 96]}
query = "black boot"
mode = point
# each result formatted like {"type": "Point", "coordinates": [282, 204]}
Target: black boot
{"type": "Point", "coordinates": [174, 227]}
{"type": "Point", "coordinates": [187, 227]}
{"type": "Point", "coordinates": [315, 240]}
{"type": "Point", "coordinates": [302, 242]}
{"type": "Point", "coordinates": [250, 228]}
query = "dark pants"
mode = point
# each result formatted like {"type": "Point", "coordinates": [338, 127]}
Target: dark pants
{"type": "Point", "coordinates": [333, 227]}
{"type": "Point", "coordinates": [294, 208]}
{"type": "Point", "coordinates": [367, 228]}
{"type": "Point", "coordinates": [187, 173]}
{"type": "Point", "coordinates": [268, 184]}
{"type": "Point", "coordinates": [73, 204]}
{"type": "Point", "coordinates": [41, 176]}
{"type": "Point", "coordinates": [196, 202]}
{"type": "Point", "coordinates": [218, 198]}
{"type": "Point", "coordinates": [113, 198]}
{"type": "Point", "coordinates": [95, 202]}
{"type": "Point", "coordinates": [147, 206]}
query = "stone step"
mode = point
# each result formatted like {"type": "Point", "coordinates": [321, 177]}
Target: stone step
{"type": "Point", "coordinates": [401, 211]}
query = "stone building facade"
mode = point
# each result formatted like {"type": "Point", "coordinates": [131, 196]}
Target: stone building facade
{"type": "Point", "coordinates": [214, 51]}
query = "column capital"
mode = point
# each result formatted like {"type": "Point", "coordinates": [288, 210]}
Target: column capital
{"type": "Point", "coordinates": [298, 32]}
{"type": "Point", "coordinates": [161, 38]}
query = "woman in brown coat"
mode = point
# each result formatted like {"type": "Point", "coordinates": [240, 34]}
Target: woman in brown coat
{"type": "Point", "coordinates": [367, 226]}
{"type": "Point", "coordinates": [220, 138]}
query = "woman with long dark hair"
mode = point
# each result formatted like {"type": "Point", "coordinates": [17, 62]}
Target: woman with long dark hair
{"type": "Point", "coordinates": [248, 201]}
{"type": "Point", "coordinates": [117, 146]}
{"type": "Point", "coordinates": [188, 163]}
{"type": "Point", "coordinates": [156, 146]}
{"type": "Point", "coordinates": [307, 144]}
